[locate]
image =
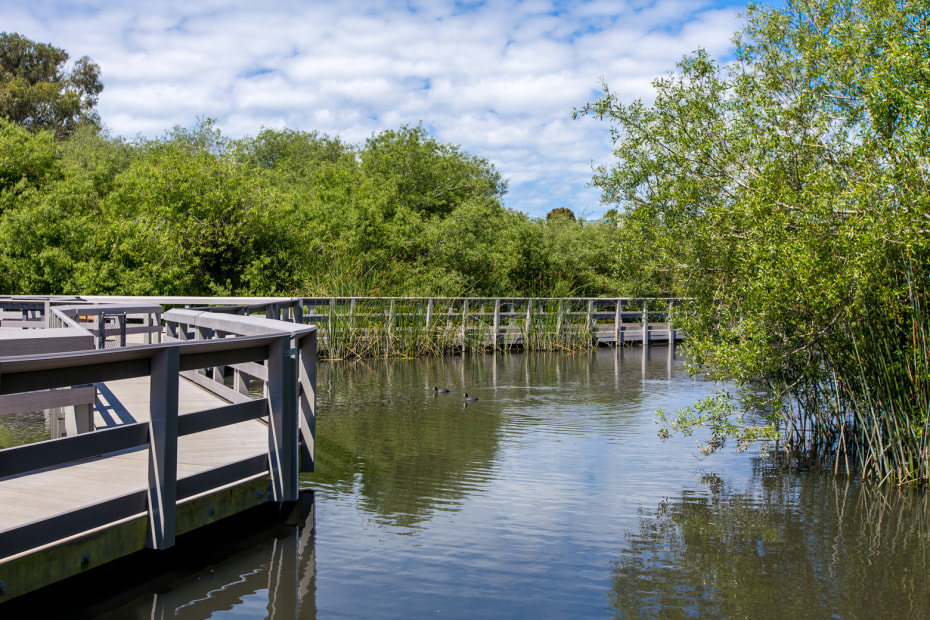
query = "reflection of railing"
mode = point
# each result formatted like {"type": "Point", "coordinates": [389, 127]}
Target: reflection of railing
{"type": "Point", "coordinates": [278, 566]}
{"type": "Point", "coordinates": [289, 414]}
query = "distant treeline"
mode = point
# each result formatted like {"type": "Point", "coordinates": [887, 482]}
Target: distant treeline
{"type": "Point", "coordinates": [282, 213]}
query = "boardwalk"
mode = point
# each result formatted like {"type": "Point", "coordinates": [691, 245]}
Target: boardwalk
{"type": "Point", "coordinates": [42, 495]}
{"type": "Point", "coordinates": [163, 455]}
{"type": "Point", "coordinates": [382, 326]}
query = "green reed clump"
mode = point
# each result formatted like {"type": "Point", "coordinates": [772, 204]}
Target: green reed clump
{"type": "Point", "coordinates": [413, 327]}
{"type": "Point", "coordinates": [866, 404]}
{"type": "Point", "coordinates": [557, 325]}
{"type": "Point", "coordinates": [384, 327]}
{"type": "Point", "coordinates": [885, 386]}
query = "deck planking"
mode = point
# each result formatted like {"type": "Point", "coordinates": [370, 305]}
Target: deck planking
{"type": "Point", "coordinates": [38, 496]}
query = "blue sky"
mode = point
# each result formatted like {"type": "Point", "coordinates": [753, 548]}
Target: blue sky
{"type": "Point", "coordinates": [498, 78]}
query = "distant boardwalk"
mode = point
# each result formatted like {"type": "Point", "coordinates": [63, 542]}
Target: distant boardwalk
{"type": "Point", "coordinates": [386, 326]}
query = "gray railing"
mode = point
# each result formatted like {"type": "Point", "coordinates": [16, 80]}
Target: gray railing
{"type": "Point", "coordinates": [297, 381]}
{"type": "Point", "coordinates": [287, 402]}
{"type": "Point", "coordinates": [491, 321]}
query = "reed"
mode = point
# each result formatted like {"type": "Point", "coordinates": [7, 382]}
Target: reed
{"type": "Point", "coordinates": [555, 325]}
{"type": "Point", "coordinates": [868, 404]}
{"type": "Point", "coordinates": [414, 327]}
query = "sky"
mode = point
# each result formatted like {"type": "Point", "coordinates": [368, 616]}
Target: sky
{"type": "Point", "coordinates": [500, 79]}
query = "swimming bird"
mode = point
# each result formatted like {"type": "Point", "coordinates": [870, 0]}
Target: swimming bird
{"type": "Point", "coordinates": [439, 390]}
{"type": "Point", "coordinates": [469, 399]}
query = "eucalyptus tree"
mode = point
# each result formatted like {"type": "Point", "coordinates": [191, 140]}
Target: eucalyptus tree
{"type": "Point", "coordinates": [38, 91]}
{"type": "Point", "coordinates": [786, 192]}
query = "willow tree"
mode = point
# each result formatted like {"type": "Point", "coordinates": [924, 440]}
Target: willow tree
{"type": "Point", "coordinates": [786, 192]}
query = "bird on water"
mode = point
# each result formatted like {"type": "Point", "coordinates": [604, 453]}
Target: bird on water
{"type": "Point", "coordinates": [469, 399]}
{"type": "Point", "coordinates": [440, 390]}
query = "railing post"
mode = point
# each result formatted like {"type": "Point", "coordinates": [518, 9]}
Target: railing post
{"type": "Point", "coordinates": [429, 311]}
{"type": "Point", "coordinates": [241, 382]}
{"type": "Point", "coordinates": [147, 322]}
{"type": "Point", "coordinates": [79, 420]}
{"type": "Point", "coordinates": [282, 420]}
{"type": "Point", "coordinates": [464, 323]}
{"type": "Point", "coordinates": [171, 327]}
{"type": "Point", "coordinates": [529, 320]}
{"type": "Point", "coordinates": [101, 331]}
{"type": "Point", "coordinates": [497, 323]}
{"type": "Point", "coordinates": [618, 320]}
{"type": "Point", "coordinates": [589, 320]}
{"type": "Point", "coordinates": [645, 323]}
{"type": "Point", "coordinates": [219, 372]}
{"type": "Point", "coordinates": [307, 395]}
{"type": "Point", "coordinates": [163, 447]}
{"type": "Point", "coordinates": [671, 330]}
{"type": "Point", "coordinates": [329, 322]}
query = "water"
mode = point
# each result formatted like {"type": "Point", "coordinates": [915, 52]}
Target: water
{"type": "Point", "coordinates": [552, 497]}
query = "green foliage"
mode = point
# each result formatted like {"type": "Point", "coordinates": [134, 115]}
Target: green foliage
{"type": "Point", "coordinates": [416, 173]}
{"type": "Point", "coordinates": [190, 220]}
{"type": "Point", "coordinates": [285, 212]}
{"type": "Point", "coordinates": [784, 193]}
{"type": "Point", "coordinates": [561, 212]}
{"type": "Point", "coordinates": [36, 91]}
{"type": "Point", "coordinates": [27, 160]}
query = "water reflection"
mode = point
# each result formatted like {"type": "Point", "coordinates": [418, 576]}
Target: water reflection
{"type": "Point", "coordinates": [407, 452]}
{"type": "Point", "coordinates": [274, 576]}
{"type": "Point", "coordinates": [788, 543]}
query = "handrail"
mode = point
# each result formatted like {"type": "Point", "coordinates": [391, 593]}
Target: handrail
{"type": "Point", "coordinates": [301, 384]}
{"type": "Point", "coordinates": [290, 415]}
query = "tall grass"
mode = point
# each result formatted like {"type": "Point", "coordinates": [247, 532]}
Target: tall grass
{"type": "Point", "coordinates": [868, 406]}
{"type": "Point", "coordinates": [371, 328]}
{"type": "Point", "coordinates": [412, 327]}
{"type": "Point", "coordinates": [554, 325]}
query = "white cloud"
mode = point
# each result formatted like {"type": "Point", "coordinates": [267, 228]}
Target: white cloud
{"type": "Point", "coordinates": [499, 78]}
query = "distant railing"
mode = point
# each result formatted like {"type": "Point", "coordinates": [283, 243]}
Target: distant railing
{"type": "Point", "coordinates": [384, 326]}
{"type": "Point", "coordinates": [241, 343]}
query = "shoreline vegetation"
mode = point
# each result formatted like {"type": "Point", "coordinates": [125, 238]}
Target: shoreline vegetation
{"type": "Point", "coordinates": [786, 194]}
{"type": "Point", "coordinates": [421, 327]}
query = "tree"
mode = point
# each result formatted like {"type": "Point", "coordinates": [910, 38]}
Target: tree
{"type": "Point", "coordinates": [561, 212]}
{"type": "Point", "coordinates": [187, 219]}
{"type": "Point", "coordinates": [422, 175]}
{"type": "Point", "coordinates": [786, 193]}
{"type": "Point", "coordinates": [38, 93]}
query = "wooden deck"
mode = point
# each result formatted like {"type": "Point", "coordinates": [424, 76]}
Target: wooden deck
{"type": "Point", "coordinates": [172, 446]}
{"type": "Point", "coordinates": [49, 493]}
